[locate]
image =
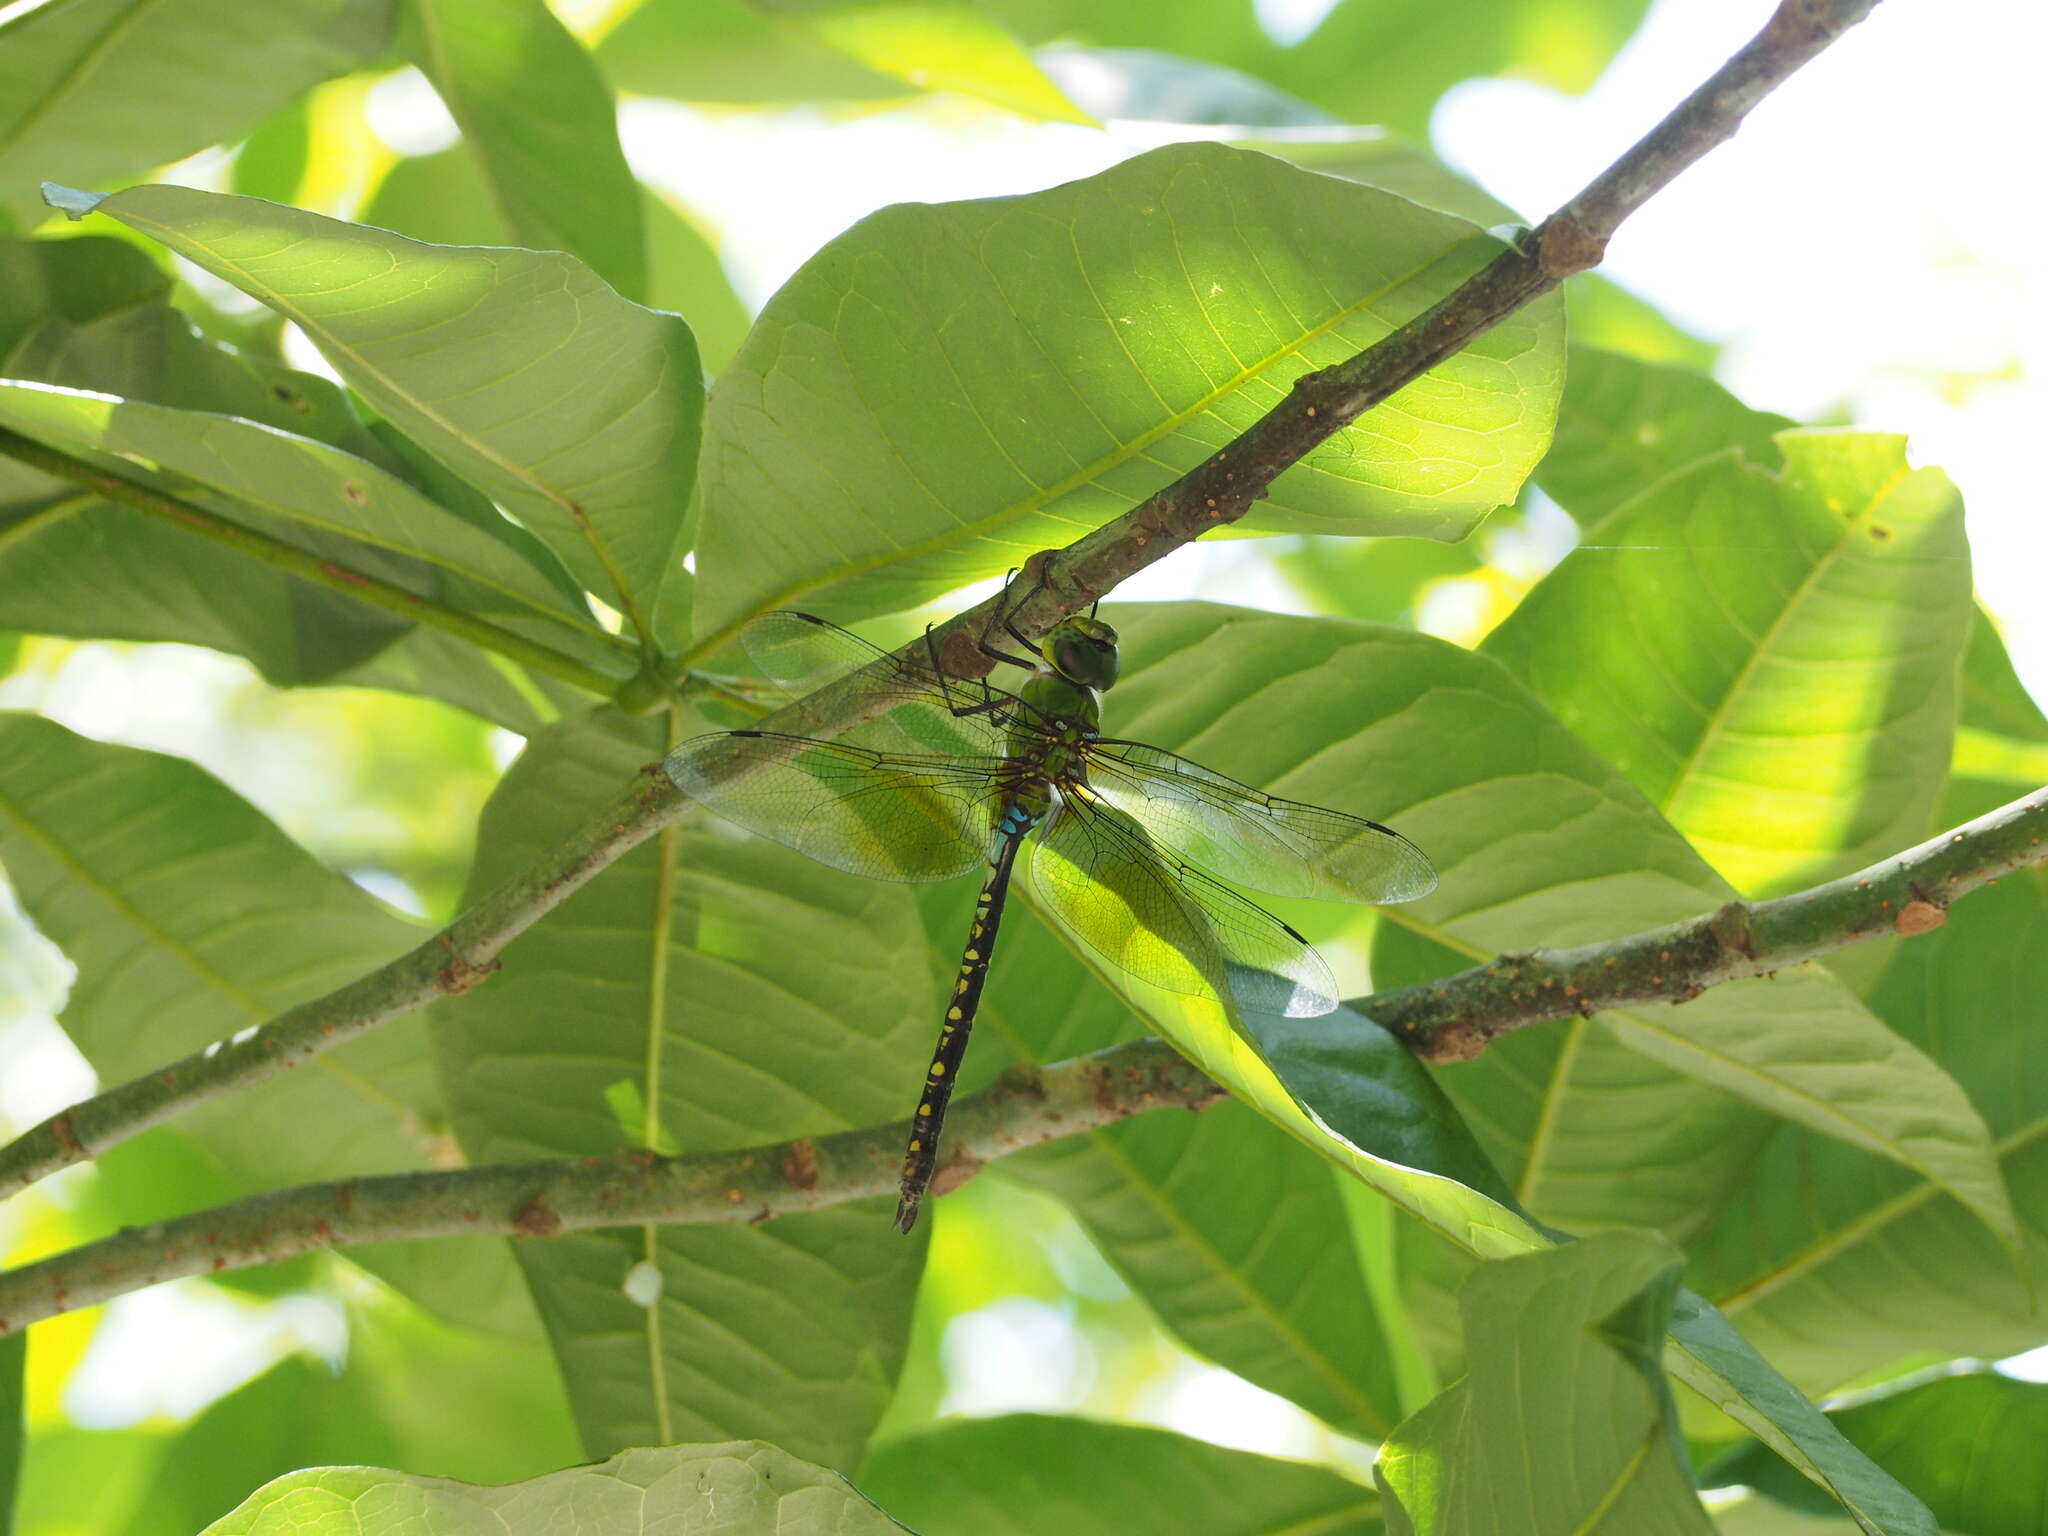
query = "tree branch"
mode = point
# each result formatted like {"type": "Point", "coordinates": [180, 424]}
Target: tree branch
{"type": "Point", "coordinates": [1022, 1108]}
{"type": "Point", "coordinates": [1217, 492]}
{"type": "Point", "coordinates": [309, 567]}
{"type": "Point", "coordinates": [452, 961]}
{"type": "Point", "coordinates": [1573, 239]}
{"type": "Point", "coordinates": [1454, 1018]}
{"type": "Point", "coordinates": [1446, 1020]}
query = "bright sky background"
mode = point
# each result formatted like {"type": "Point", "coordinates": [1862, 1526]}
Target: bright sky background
{"type": "Point", "coordinates": [1869, 249]}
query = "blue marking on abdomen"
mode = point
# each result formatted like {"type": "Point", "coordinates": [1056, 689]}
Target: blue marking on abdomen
{"type": "Point", "coordinates": [1016, 820]}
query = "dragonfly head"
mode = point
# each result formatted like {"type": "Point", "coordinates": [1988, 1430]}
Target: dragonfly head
{"type": "Point", "coordinates": [1082, 650]}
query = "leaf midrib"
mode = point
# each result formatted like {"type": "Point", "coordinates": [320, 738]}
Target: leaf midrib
{"type": "Point", "coordinates": [88, 62]}
{"type": "Point", "coordinates": [578, 518]}
{"type": "Point", "coordinates": [1045, 496]}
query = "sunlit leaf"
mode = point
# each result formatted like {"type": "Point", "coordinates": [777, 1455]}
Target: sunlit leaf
{"type": "Point", "coordinates": [938, 45]}
{"type": "Point", "coordinates": [574, 409]}
{"type": "Point", "coordinates": [441, 197]}
{"type": "Point", "coordinates": [944, 389]}
{"type": "Point", "coordinates": [734, 51]}
{"type": "Point", "coordinates": [1747, 645]}
{"type": "Point", "coordinates": [95, 90]}
{"type": "Point", "coordinates": [541, 123]}
{"type": "Point", "coordinates": [1625, 424]}
{"type": "Point", "coordinates": [1839, 1265]}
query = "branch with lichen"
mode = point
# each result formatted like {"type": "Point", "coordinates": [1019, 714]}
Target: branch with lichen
{"type": "Point", "coordinates": [1446, 1020]}
{"type": "Point", "coordinates": [1454, 1018]}
{"type": "Point", "coordinates": [1022, 1108]}
{"type": "Point", "coordinates": [1214, 494]}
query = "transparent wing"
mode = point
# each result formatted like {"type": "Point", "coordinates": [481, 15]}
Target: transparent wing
{"type": "Point", "coordinates": [1286, 847]}
{"type": "Point", "coordinates": [1150, 914]}
{"type": "Point", "coordinates": [807, 653]}
{"type": "Point", "coordinates": [870, 813]}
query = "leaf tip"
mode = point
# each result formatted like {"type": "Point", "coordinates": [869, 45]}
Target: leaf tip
{"type": "Point", "coordinates": [71, 202]}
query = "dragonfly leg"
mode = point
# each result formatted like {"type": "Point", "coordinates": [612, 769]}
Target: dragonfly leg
{"type": "Point", "coordinates": [1002, 617]}
{"type": "Point", "coordinates": [989, 702]}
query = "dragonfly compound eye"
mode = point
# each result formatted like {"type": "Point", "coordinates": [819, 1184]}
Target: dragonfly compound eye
{"type": "Point", "coordinates": [1083, 650]}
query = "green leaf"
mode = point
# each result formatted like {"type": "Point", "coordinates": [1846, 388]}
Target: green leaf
{"type": "Point", "coordinates": [574, 409]}
{"type": "Point", "coordinates": [1537, 842]}
{"type": "Point", "coordinates": [307, 482]}
{"type": "Point", "coordinates": [71, 564]}
{"type": "Point", "coordinates": [1038, 1475]}
{"type": "Point", "coordinates": [1840, 1266]}
{"type": "Point", "coordinates": [2001, 736]}
{"type": "Point", "coordinates": [751, 996]}
{"type": "Point", "coordinates": [1236, 1236]}
{"type": "Point", "coordinates": [1969, 1443]}
{"type": "Point", "coordinates": [936, 45]}
{"type": "Point", "coordinates": [1368, 61]}
{"type": "Point", "coordinates": [13, 1371]}
{"type": "Point", "coordinates": [189, 916]}
{"type": "Point", "coordinates": [442, 198]}
{"type": "Point", "coordinates": [272, 161]}
{"type": "Point", "coordinates": [1373, 157]}
{"type": "Point", "coordinates": [1625, 424]}
{"type": "Point", "coordinates": [1745, 645]}
{"type": "Point", "coordinates": [95, 90]}
{"type": "Point", "coordinates": [436, 665]}
{"type": "Point", "coordinates": [734, 51]}
{"type": "Point", "coordinates": [90, 313]}
{"type": "Point", "coordinates": [542, 124]}
{"type": "Point", "coordinates": [1145, 85]}
{"type": "Point", "coordinates": [741, 1487]}
{"type": "Point", "coordinates": [945, 386]}
{"type": "Point", "coordinates": [1562, 1422]}
{"type": "Point", "coordinates": [1723, 1367]}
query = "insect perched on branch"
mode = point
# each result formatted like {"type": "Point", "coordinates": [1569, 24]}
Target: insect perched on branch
{"type": "Point", "coordinates": [955, 775]}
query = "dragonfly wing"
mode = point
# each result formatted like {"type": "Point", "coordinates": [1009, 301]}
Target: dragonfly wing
{"type": "Point", "coordinates": [871, 813]}
{"type": "Point", "coordinates": [1165, 922]}
{"type": "Point", "coordinates": [1287, 847]}
{"type": "Point", "coordinates": [807, 653]}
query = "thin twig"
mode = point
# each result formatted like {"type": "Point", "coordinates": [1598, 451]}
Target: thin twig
{"type": "Point", "coordinates": [1216, 493]}
{"type": "Point", "coordinates": [1454, 1018]}
{"type": "Point", "coordinates": [1022, 1108]}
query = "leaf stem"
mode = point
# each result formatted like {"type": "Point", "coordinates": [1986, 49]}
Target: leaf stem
{"type": "Point", "coordinates": [1022, 1108]}
{"type": "Point", "coordinates": [331, 574]}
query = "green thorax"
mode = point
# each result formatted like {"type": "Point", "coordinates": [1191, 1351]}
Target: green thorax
{"type": "Point", "coordinates": [1080, 659]}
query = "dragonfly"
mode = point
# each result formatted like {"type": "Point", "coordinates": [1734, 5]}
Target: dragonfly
{"type": "Point", "coordinates": [950, 775]}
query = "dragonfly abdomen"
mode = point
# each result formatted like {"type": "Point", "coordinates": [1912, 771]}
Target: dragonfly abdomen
{"type": "Point", "coordinates": [922, 1157]}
